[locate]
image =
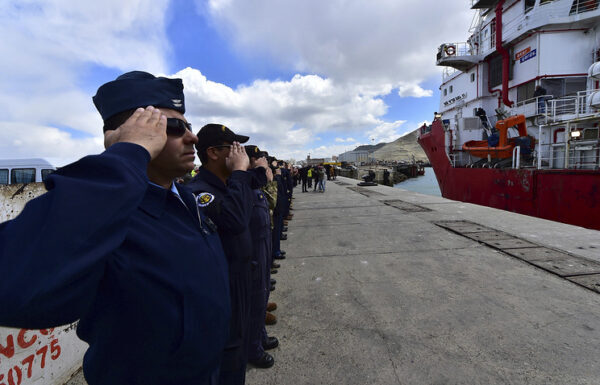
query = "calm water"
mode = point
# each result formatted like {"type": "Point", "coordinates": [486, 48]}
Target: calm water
{"type": "Point", "coordinates": [426, 184]}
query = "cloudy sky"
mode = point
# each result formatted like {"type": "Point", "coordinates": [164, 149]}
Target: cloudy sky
{"type": "Point", "coordinates": [299, 77]}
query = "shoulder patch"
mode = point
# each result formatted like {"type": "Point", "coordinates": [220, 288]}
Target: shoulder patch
{"type": "Point", "coordinates": [204, 199]}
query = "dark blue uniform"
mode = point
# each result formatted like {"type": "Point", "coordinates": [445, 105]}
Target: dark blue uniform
{"type": "Point", "coordinates": [230, 208]}
{"type": "Point", "coordinates": [260, 230]}
{"type": "Point", "coordinates": [288, 184]}
{"type": "Point", "coordinates": [278, 215]}
{"type": "Point", "coordinates": [131, 260]}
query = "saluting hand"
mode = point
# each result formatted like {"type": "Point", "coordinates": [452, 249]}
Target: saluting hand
{"type": "Point", "coordinates": [237, 158]}
{"type": "Point", "coordinates": [269, 174]}
{"type": "Point", "coordinates": [261, 162]}
{"type": "Point", "coordinates": [146, 127]}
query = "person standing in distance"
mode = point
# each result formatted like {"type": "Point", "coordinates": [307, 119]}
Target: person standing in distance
{"type": "Point", "coordinates": [116, 244]}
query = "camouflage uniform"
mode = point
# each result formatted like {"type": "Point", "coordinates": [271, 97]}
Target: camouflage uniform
{"type": "Point", "coordinates": [270, 191]}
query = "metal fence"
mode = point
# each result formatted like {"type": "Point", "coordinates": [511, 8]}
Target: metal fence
{"type": "Point", "coordinates": [580, 155]}
{"type": "Point", "coordinates": [570, 107]}
{"type": "Point", "coordinates": [580, 6]}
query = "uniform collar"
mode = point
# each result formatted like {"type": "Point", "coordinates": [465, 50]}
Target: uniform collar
{"type": "Point", "coordinates": [154, 200]}
{"type": "Point", "coordinates": [211, 178]}
{"type": "Point", "coordinates": [173, 188]}
{"type": "Point", "coordinates": [186, 196]}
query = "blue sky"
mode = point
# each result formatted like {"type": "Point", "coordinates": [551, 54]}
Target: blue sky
{"type": "Point", "coordinates": [298, 77]}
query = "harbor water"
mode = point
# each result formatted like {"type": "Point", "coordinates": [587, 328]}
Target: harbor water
{"type": "Point", "coordinates": [425, 184]}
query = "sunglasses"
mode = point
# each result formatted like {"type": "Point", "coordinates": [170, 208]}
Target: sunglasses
{"type": "Point", "coordinates": [221, 146]}
{"type": "Point", "coordinates": [177, 127]}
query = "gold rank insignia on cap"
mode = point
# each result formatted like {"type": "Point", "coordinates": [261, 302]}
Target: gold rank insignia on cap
{"type": "Point", "coordinates": [255, 149]}
{"type": "Point", "coordinates": [223, 128]}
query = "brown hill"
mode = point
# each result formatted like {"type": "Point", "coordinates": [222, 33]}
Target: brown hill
{"type": "Point", "coordinates": [402, 148]}
{"type": "Point", "coordinates": [370, 147]}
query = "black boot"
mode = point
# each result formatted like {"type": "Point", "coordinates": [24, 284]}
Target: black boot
{"type": "Point", "coordinates": [266, 361]}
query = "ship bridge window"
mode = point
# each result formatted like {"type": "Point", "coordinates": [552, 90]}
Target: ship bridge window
{"type": "Point", "coordinates": [529, 4]}
{"type": "Point", "coordinates": [560, 87]}
{"type": "Point", "coordinates": [445, 91]}
{"type": "Point", "coordinates": [495, 68]}
{"type": "Point", "coordinates": [590, 133]}
{"type": "Point", "coordinates": [472, 78]}
{"type": "Point", "coordinates": [451, 89]}
{"type": "Point", "coordinates": [525, 92]}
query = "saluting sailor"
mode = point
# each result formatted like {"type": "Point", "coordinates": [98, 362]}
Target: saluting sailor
{"type": "Point", "coordinates": [224, 191]}
{"type": "Point", "coordinates": [116, 244]}
{"type": "Point", "coordinates": [260, 230]}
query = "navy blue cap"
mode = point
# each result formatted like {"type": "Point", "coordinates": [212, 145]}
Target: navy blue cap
{"type": "Point", "coordinates": [213, 134]}
{"type": "Point", "coordinates": [254, 151]}
{"type": "Point", "coordinates": [139, 89]}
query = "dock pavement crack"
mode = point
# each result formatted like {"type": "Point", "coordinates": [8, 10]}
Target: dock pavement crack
{"type": "Point", "coordinates": [380, 333]}
{"type": "Point", "coordinates": [388, 252]}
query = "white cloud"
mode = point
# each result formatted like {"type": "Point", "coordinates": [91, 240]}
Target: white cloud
{"type": "Point", "coordinates": [386, 132]}
{"type": "Point", "coordinates": [351, 54]}
{"type": "Point", "coordinates": [53, 37]}
{"type": "Point", "coordinates": [413, 90]}
{"type": "Point", "coordinates": [342, 140]}
{"type": "Point", "coordinates": [382, 43]}
{"type": "Point", "coordinates": [324, 151]}
{"type": "Point", "coordinates": [22, 140]}
{"type": "Point", "coordinates": [283, 115]}
{"type": "Point", "coordinates": [47, 46]}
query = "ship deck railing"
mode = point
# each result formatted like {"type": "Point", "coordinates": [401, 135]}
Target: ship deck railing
{"type": "Point", "coordinates": [451, 50]}
{"type": "Point", "coordinates": [580, 155]}
{"type": "Point", "coordinates": [532, 106]}
{"type": "Point", "coordinates": [556, 110]}
{"type": "Point", "coordinates": [448, 73]}
{"type": "Point", "coordinates": [542, 14]}
{"type": "Point", "coordinates": [580, 6]}
{"type": "Point", "coordinates": [460, 55]}
{"type": "Point", "coordinates": [570, 107]}
{"type": "Point", "coordinates": [583, 154]}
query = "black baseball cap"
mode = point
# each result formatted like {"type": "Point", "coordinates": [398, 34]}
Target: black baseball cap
{"type": "Point", "coordinates": [214, 134]}
{"type": "Point", "coordinates": [254, 152]}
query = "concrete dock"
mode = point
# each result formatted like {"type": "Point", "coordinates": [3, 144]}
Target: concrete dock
{"type": "Point", "coordinates": [376, 293]}
{"type": "Point", "coordinates": [385, 286]}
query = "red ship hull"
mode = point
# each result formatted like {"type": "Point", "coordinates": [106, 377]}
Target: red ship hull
{"type": "Point", "coordinates": [568, 196]}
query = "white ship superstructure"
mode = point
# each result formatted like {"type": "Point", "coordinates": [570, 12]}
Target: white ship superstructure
{"type": "Point", "coordinates": [514, 46]}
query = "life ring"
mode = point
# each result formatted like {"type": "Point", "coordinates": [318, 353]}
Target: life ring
{"type": "Point", "coordinates": [450, 50]}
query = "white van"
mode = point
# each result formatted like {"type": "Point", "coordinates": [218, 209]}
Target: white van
{"type": "Point", "coordinates": [13, 171]}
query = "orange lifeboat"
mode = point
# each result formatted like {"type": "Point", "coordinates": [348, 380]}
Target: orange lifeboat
{"type": "Point", "coordinates": [504, 149]}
